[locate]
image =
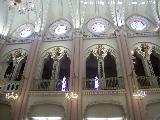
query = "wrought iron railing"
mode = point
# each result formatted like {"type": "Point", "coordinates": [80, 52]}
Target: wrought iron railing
{"type": "Point", "coordinates": [112, 83]}
{"type": "Point", "coordinates": [146, 82]}
{"type": "Point", "coordinates": [49, 85]}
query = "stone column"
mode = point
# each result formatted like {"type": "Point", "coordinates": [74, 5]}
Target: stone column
{"type": "Point", "coordinates": [75, 104]}
{"type": "Point", "coordinates": [28, 75]}
{"type": "Point", "coordinates": [128, 73]}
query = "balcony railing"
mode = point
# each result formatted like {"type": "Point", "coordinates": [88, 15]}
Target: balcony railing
{"type": "Point", "coordinates": [50, 85]}
{"type": "Point", "coordinates": [146, 82]}
{"type": "Point", "coordinates": [112, 83]}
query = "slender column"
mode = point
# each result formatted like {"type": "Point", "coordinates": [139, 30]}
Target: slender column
{"type": "Point", "coordinates": [127, 66]}
{"type": "Point", "coordinates": [75, 111]}
{"type": "Point", "coordinates": [28, 75]}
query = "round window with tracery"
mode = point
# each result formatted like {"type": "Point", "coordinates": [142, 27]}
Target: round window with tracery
{"type": "Point", "coordinates": [138, 23]}
{"type": "Point", "coordinates": [98, 25]}
{"type": "Point", "coordinates": [24, 31]}
{"type": "Point", "coordinates": [60, 28]}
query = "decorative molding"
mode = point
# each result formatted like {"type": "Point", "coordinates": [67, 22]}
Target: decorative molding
{"type": "Point", "coordinates": [144, 34]}
{"type": "Point", "coordinates": [102, 36]}
{"type": "Point", "coordinates": [150, 91]}
{"type": "Point", "coordinates": [104, 92]}
{"type": "Point", "coordinates": [60, 38]}
{"type": "Point", "coordinates": [47, 93]}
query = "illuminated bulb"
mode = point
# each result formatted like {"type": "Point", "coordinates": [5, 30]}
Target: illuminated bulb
{"type": "Point", "coordinates": [71, 95]}
{"type": "Point", "coordinates": [12, 95]}
{"type": "Point", "coordinates": [139, 94]}
{"type": "Point", "coordinates": [96, 83]}
{"type": "Point", "coordinates": [64, 84]}
{"type": "Point", "coordinates": [132, 52]}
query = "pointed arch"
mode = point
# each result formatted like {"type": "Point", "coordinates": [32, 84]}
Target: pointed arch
{"type": "Point", "coordinates": [91, 66]}
{"type": "Point", "coordinates": [110, 69]}
{"type": "Point", "coordinates": [47, 68]}
{"type": "Point", "coordinates": [138, 65]}
{"type": "Point", "coordinates": [64, 67]}
{"type": "Point", "coordinates": [155, 61]}
{"type": "Point", "coordinates": [20, 69]}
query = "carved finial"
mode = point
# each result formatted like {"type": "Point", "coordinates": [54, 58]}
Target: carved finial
{"type": "Point", "coordinates": [145, 48]}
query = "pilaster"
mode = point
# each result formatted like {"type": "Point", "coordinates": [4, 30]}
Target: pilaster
{"type": "Point", "coordinates": [75, 104]}
{"type": "Point", "coordinates": [28, 75]}
{"type": "Point", "coordinates": [128, 73]}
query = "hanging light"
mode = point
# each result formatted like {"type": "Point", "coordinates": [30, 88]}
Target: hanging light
{"type": "Point", "coordinates": [71, 95]}
{"type": "Point", "coordinates": [139, 94]}
{"type": "Point", "coordinates": [12, 96]}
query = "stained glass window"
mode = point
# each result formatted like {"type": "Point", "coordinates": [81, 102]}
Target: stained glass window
{"type": "Point", "coordinates": [59, 28]}
{"type": "Point", "coordinates": [98, 25]}
{"type": "Point", "coordinates": [138, 23]}
{"type": "Point", "coordinates": [25, 32]}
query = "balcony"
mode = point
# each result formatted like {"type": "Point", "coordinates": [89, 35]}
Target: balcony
{"type": "Point", "coordinates": [112, 83]}
{"type": "Point", "coordinates": [50, 85]}
{"type": "Point", "coordinates": [148, 82]}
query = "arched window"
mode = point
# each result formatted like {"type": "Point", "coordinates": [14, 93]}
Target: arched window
{"type": "Point", "coordinates": [155, 64]}
{"type": "Point", "coordinates": [110, 66]}
{"type": "Point", "coordinates": [138, 65]}
{"type": "Point", "coordinates": [91, 66]}
{"type": "Point", "coordinates": [140, 71]}
{"type": "Point", "coordinates": [48, 67]}
{"type": "Point", "coordinates": [64, 67]}
{"type": "Point", "coordinates": [10, 68]}
{"type": "Point", "coordinates": [20, 69]}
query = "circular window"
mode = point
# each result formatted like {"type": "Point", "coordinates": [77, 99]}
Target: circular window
{"type": "Point", "coordinates": [138, 23]}
{"type": "Point", "coordinates": [60, 28]}
{"type": "Point", "coordinates": [98, 25]}
{"type": "Point", "coordinates": [24, 31]}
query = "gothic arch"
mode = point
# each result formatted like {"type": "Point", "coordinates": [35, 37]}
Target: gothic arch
{"type": "Point", "coordinates": [100, 51]}
{"type": "Point", "coordinates": [17, 56]}
{"type": "Point", "coordinates": [56, 52]}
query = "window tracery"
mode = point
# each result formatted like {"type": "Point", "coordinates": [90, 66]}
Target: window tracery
{"type": "Point", "coordinates": [60, 28]}
{"type": "Point", "coordinates": [56, 69]}
{"type": "Point", "coordinates": [138, 23]}
{"type": "Point", "coordinates": [145, 52]}
{"type": "Point", "coordinates": [101, 65]}
{"type": "Point", "coordinates": [23, 32]}
{"type": "Point", "coordinates": [15, 65]}
{"type": "Point", "coordinates": [98, 25]}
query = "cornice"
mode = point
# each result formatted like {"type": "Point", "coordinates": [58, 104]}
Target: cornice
{"type": "Point", "coordinates": [47, 93]}
{"type": "Point", "coordinates": [104, 92]}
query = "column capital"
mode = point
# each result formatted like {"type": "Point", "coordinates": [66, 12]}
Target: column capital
{"type": "Point", "coordinates": [120, 31]}
{"type": "Point", "coordinates": [37, 36]}
{"type": "Point", "coordinates": [77, 32]}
